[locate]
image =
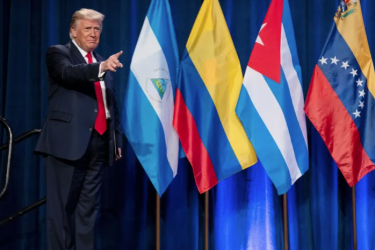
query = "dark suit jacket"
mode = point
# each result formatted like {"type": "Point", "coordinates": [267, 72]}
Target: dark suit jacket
{"type": "Point", "coordinates": [73, 106]}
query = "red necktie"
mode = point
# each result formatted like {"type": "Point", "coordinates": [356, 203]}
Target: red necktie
{"type": "Point", "coordinates": [101, 121]}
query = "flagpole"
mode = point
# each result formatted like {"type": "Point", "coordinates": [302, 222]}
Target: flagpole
{"type": "Point", "coordinates": [206, 220]}
{"type": "Point", "coordinates": [157, 221]}
{"type": "Point", "coordinates": [285, 222]}
{"type": "Point", "coordinates": [354, 219]}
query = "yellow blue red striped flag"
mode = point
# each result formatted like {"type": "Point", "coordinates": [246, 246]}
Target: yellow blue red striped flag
{"type": "Point", "coordinates": [210, 81]}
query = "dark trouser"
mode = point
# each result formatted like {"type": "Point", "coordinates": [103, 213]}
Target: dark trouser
{"type": "Point", "coordinates": [73, 194]}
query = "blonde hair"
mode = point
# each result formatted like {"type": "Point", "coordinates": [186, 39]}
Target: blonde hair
{"type": "Point", "coordinates": [87, 14]}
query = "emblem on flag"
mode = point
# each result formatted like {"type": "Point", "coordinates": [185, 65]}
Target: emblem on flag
{"type": "Point", "coordinates": [156, 85]}
{"type": "Point", "coordinates": [346, 8]}
{"type": "Point", "coordinates": [160, 85]}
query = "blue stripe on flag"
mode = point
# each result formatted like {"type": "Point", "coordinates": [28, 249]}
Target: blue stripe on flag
{"type": "Point", "coordinates": [160, 19]}
{"type": "Point", "coordinates": [201, 106]}
{"type": "Point", "coordinates": [289, 32]}
{"type": "Point", "coordinates": [282, 95]}
{"type": "Point", "coordinates": [264, 144]}
{"type": "Point", "coordinates": [146, 135]}
{"type": "Point", "coordinates": [346, 87]}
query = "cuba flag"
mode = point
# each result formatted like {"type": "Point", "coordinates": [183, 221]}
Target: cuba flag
{"type": "Point", "coordinates": [149, 97]}
{"type": "Point", "coordinates": [271, 102]}
{"type": "Point", "coordinates": [340, 102]}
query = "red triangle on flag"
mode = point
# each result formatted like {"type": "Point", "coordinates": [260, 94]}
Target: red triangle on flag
{"type": "Point", "coordinates": [265, 57]}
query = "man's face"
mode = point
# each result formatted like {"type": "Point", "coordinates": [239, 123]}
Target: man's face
{"type": "Point", "coordinates": [87, 34]}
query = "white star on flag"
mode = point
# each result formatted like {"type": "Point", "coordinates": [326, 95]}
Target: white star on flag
{"type": "Point", "coordinates": [323, 60]}
{"type": "Point", "coordinates": [361, 104]}
{"type": "Point", "coordinates": [259, 40]}
{"type": "Point", "coordinates": [357, 113]}
{"type": "Point", "coordinates": [334, 60]}
{"type": "Point", "coordinates": [361, 93]}
{"type": "Point", "coordinates": [354, 72]}
{"type": "Point", "coordinates": [345, 65]}
{"type": "Point", "coordinates": [359, 82]}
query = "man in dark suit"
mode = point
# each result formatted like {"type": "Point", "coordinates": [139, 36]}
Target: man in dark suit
{"type": "Point", "coordinates": [81, 134]}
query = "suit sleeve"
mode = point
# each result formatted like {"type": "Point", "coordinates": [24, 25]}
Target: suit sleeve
{"type": "Point", "coordinates": [61, 70]}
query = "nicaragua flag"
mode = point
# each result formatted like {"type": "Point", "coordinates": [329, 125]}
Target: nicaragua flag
{"type": "Point", "coordinates": [149, 97]}
{"type": "Point", "coordinates": [340, 102]}
{"type": "Point", "coordinates": [210, 81]}
{"type": "Point", "coordinates": [271, 102]}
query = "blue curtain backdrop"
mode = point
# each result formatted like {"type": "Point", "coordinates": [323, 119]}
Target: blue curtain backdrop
{"type": "Point", "coordinates": [245, 210]}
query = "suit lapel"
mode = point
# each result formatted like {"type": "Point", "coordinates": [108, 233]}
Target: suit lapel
{"type": "Point", "coordinates": [76, 55]}
{"type": "Point", "coordinates": [98, 57]}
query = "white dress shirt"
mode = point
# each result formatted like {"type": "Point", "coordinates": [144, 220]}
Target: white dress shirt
{"type": "Point", "coordinates": [102, 85]}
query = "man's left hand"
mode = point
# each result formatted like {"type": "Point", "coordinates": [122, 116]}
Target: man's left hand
{"type": "Point", "coordinates": [119, 156]}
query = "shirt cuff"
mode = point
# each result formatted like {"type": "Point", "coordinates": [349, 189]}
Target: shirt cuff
{"type": "Point", "coordinates": [100, 74]}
